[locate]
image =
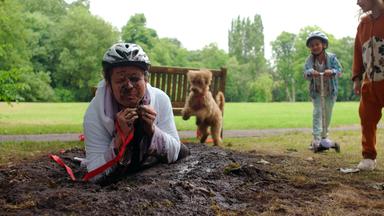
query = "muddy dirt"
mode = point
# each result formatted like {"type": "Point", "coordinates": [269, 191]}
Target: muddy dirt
{"type": "Point", "coordinates": [211, 181]}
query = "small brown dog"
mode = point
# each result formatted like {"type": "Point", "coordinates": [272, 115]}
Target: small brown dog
{"type": "Point", "coordinates": [200, 103]}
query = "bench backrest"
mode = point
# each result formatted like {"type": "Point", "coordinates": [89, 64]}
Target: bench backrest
{"type": "Point", "coordinates": [173, 81]}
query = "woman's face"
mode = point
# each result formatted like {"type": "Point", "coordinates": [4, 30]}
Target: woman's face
{"type": "Point", "coordinates": [365, 5]}
{"type": "Point", "coordinates": [128, 85]}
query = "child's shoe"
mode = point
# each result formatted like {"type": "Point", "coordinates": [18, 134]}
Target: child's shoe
{"type": "Point", "coordinates": [367, 165]}
{"type": "Point", "coordinates": [315, 145]}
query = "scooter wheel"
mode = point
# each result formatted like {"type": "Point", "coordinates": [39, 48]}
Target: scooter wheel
{"type": "Point", "coordinates": [337, 147]}
{"type": "Point", "coordinates": [318, 148]}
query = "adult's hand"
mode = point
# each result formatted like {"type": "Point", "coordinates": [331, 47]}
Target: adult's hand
{"type": "Point", "coordinates": [147, 115]}
{"type": "Point", "coordinates": [125, 118]}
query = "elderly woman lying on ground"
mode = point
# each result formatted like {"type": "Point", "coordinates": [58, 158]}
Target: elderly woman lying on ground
{"type": "Point", "coordinates": [125, 104]}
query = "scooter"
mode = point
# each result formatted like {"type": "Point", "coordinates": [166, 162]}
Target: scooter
{"type": "Point", "coordinates": [325, 143]}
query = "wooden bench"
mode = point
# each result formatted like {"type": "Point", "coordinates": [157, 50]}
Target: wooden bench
{"type": "Point", "coordinates": [173, 81]}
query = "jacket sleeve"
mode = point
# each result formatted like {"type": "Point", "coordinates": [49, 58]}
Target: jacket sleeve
{"type": "Point", "coordinates": [335, 66]}
{"type": "Point", "coordinates": [357, 67]}
{"type": "Point", "coordinates": [165, 141]}
{"type": "Point", "coordinates": [308, 68]}
{"type": "Point", "coordinates": [98, 143]}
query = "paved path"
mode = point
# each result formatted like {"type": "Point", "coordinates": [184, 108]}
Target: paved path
{"type": "Point", "coordinates": [182, 134]}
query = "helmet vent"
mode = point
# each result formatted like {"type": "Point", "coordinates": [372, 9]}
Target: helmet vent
{"type": "Point", "coordinates": [135, 52]}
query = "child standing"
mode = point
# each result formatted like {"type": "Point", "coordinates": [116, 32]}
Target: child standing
{"type": "Point", "coordinates": [368, 69]}
{"type": "Point", "coordinates": [320, 61]}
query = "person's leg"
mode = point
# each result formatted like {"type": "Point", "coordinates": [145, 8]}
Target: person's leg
{"type": "Point", "coordinates": [184, 151]}
{"type": "Point", "coordinates": [370, 114]}
{"type": "Point", "coordinates": [329, 103]}
{"type": "Point", "coordinates": [316, 117]}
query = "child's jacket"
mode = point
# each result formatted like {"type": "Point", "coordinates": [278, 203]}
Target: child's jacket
{"type": "Point", "coordinates": [331, 63]}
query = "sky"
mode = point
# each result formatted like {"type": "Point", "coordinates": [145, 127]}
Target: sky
{"type": "Point", "coordinates": [197, 23]}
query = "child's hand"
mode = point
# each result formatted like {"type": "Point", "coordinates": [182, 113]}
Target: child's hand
{"type": "Point", "coordinates": [328, 73]}
{"type": "Point", "coordinates": [315, 73]}
{"type": "Point", "coordinates": [357, 87]}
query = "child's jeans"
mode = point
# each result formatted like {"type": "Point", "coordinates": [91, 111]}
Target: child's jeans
{"type": "Point", "coordinates": [316, 121]}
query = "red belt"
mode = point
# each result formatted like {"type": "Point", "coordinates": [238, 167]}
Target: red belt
{"type": "Point", "coordinates": [95, 172]}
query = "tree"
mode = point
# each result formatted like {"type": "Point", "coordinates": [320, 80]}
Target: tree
{"type": "Point", "coordinates": [210, 56]}
{"type": "Point", "coordinates": [83, 40]}
{"type": "Point", "coordinates": [36, 86]}
{"type": "Point", "coordinates": [14, 55]}
{"type": "Point", "coordinates": [237, 84]}
{"type": "Point", "coordinates": [10, 85]}
{"type": "Point", "coordinates": [135, 31]}
{"type": "Point", "coordinates": [343, 48]}
{"type": "Point", "coordinates": [167, 51]}
{"type": "Point", "coordinates": [246, 43]}
{"type": "Point", "coordinates": [261, 89]}
{"type": "Point", "coordinates": [54, 9]}
{"type": "Point", "coordinates": [13, 36]}
{"type": "Point", "coordinates": [283, 51]}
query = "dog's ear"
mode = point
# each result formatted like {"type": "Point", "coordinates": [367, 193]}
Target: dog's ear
{"type": "Point", "coordinates": [191, 74]}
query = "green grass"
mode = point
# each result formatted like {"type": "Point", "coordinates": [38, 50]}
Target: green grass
{"type": "Point", "coordinates": [296, 144]}
{"type": "Point", "coordinates": [18, 151]}
{"type": "Point", "coordinates": [40, 118]}
{"type": "Point", "coordinates": [277, 115]}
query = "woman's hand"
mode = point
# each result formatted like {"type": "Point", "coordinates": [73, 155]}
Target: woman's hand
{"type": "Point", "coordinates": [147, 115]}
{"type": "Point", "coordinates": [125, 118]}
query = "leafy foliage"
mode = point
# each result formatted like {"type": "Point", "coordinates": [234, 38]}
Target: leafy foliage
{"type": "Point", "coordinates": [283, 53]}
{"type": "Point", "coordinates": [53, 53]}
{"type": "Point", "coordinates": [84, 39]}
{"type": "Point", "coordinates": [246, 45]}
{"type": "Point", "coordinates": [10, 85]}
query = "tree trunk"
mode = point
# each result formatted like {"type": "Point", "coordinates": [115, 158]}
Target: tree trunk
{"type": "Point", "coordinates": [293, 91]}
{"type": "Point", "coordinates": [288, 92]}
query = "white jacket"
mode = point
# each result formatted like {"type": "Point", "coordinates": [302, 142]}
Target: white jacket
{"type": "Point", "coordinates": [99, 127]}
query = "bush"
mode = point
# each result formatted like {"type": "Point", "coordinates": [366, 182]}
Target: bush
{"type": "Point", "coordinates": [261, 89]}
{"type": "Point", "coordinates": [11, 85]}
{"type": "Point", "coordinates": [64, 95]}
{"type": "Point", "coordinates": [37, 86]}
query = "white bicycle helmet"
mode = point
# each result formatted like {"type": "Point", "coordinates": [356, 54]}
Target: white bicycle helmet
{"type": "Point", "coordinates": [125, 54]}
{"type": "Point", "coordinates": [317, 35]}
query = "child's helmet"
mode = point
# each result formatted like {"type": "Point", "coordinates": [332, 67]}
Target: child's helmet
{"type": "Point", "coordinates": [317, 35]}
{"type": "Point", "coordinates": [125, 54]}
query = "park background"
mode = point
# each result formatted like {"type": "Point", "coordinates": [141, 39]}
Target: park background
{"type": "Point", "coordinates": [50, 61]}
{"type": "Point", "coordinates": [51, 50]}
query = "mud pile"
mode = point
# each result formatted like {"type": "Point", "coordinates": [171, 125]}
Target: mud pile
{"type": "Point", "coordinates": [210, 181]}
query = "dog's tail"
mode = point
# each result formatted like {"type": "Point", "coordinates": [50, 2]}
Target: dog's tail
{"type": "Point", "coordinates": [220, 100]}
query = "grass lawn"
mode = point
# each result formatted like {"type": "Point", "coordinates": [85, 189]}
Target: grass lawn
{"type": "Point", "coordinates": [296, 145]}
{"type": "Point", "coordinates": [40, 118]}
